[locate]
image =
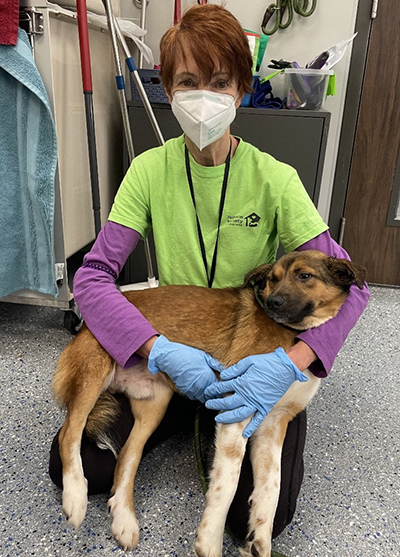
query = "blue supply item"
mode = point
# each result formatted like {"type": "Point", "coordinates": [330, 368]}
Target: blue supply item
{"type": "Point", "coordinates": [152, 85]}
{"type": "Point", "coordinates": [247, 99]}
{"type": "Point", "coordinates": [28, 160]}
{"type": "Point", "coordinates": [264, 98]}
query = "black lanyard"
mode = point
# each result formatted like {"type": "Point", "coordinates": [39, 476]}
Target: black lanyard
{"type": "Point", "coordinates": [210, 276]}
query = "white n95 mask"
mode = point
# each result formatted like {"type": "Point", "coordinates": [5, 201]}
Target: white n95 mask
{"type": "Point", "coordinates": [204, 116]}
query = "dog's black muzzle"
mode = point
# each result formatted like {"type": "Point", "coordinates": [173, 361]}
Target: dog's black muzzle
{"type": "Point", "coordinates": [286, 311]}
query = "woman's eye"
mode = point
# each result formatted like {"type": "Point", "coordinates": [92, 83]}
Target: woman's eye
{"type": "Point", "coordinates": [222, 84]}
{"type": "Point", "coordinates": [186, 83]}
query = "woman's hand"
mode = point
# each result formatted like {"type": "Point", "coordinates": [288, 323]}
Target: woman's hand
{"type": "Point", "coordinates": [189, 368]}
{"type": "Point", "coordinates": [257, 383]}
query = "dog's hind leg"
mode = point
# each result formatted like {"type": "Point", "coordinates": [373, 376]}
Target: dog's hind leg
{"type": "Point", "coordinates": [74, 481]}
{"type": "Point", "coordinates": [230, 447]}
{"type": "Point", "coordinates": [83, 371]}
{"type": "Point", "coordinates": [148, 414]}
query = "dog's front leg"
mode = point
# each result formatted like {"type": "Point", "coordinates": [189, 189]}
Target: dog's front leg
{"type": "Point", "coordinates": [148, 414]}
{"type": "Point", "coordinates": [230, 447]}
{"type": "Point", "coordinates": [266, 452]}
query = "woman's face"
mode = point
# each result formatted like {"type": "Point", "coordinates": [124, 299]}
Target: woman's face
{"type": "Point", "coordinates": [187, 77]}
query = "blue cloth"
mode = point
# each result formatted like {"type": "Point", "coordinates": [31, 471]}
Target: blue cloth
{"type": "Point", "coordinates": [28, 160]}
{"type": "Point", "coordinates": [263, 97]}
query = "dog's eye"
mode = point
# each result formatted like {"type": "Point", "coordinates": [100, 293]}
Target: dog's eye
{"type": "Point", "coordinates": [305, 276]}
{"type": "Point", "coordinates": [273, 279]}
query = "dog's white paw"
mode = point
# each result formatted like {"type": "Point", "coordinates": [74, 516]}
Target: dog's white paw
{"type": "Point", "coordinates": [74, 500]}
{"type": "Point", "coordinates": [206, 548]}
{"type": "Point", "coordinates": [209, 536]}
{"type": "Point", "coordinates": [125, 526]}
{"type": "Point", "coordinates": [260, 548]}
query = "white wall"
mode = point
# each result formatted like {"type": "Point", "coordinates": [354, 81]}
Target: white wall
{"type": "Point", "coordinates": [333, 21]}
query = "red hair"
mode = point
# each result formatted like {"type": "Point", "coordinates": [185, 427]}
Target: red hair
{"type": "Point", "coordinates": [213, 36]}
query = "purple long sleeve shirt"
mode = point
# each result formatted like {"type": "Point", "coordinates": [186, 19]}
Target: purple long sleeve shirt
{"type": "Point", "coordinates": [121, 329]}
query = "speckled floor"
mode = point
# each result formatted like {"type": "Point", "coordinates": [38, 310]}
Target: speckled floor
{"type": "Point", "coordinates": [349, 504]}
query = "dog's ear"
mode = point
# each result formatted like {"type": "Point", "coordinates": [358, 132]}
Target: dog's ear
{"type": "Point", "coordinates": [346, 272]}
{"type": "Point", "coordinates": [257, 277]}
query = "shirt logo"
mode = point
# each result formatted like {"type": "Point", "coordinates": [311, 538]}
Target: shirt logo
{"type": "Point", "coordinates": [250, 221]}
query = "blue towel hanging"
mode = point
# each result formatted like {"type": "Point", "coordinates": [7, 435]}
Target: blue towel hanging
{"type": "Point", "coordinates": [28, 160]}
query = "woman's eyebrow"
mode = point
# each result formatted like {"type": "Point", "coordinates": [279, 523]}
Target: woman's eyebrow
{"type": "Point", "coordinates": [185, 75]}
{"type": "Point", "coordinates": [222, 74]}
{"type": "Point", "coordinates": [191, 75]}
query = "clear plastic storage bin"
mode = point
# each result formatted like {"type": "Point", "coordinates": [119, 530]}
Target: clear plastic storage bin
{"type": "Point", "coordinates": [306, 88]}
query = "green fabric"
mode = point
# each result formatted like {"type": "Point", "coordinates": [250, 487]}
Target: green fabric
{"type": "Point", "coordinates": [263, 45]}
{"type": "Point", "coordinates": [332, 90]}
{"type": "Point", "coordinates": [265, 202]}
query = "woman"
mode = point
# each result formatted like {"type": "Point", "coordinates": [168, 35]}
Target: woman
{"type": "Point", "coordinates": [195, 192]}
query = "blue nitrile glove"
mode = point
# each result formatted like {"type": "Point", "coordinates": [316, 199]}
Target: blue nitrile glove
{"type": "Point", "coordinates": [189, 368]}
{"type": "Point", "coordinates": [257, 383]}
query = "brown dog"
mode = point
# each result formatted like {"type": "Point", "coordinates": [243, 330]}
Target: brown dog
{"type": "Point", "coordinates": [299, 291]}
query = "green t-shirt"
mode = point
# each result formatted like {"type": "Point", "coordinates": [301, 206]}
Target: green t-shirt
{"type": "Point", "coordinates": [265, 203]}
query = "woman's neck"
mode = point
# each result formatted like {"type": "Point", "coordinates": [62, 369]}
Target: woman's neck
{"type": "Point", "coordinates": [215, 153]}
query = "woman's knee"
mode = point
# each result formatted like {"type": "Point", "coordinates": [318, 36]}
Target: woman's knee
{"type": "Point", "coordinates": [98, 465]}
{"type": "Point", "coordinates": [292, 472]}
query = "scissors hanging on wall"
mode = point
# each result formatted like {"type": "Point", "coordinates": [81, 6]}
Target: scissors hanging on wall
{"type": "Point", "coordinates": [301, 7]}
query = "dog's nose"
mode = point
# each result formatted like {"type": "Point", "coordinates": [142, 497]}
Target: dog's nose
{"type": "Point", "coordinates": [275, 302]}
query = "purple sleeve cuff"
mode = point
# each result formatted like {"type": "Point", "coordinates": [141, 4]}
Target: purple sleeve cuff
{"type": "Point", "coordinates": [118, 326]}
{"type": "Point", "coordinates": [327, 339]}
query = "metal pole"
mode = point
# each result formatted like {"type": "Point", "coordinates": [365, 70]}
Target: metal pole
{"type": "Point", "coordinates": [139, 85]}
{"type": "Point", "coordinates": [143, 26]}
{"type": "Point", "coordinates": [124, 110]}
{"type": "Point", "coordinates": [88, 95]}
{"type": "Point", "coordinates": [119, 78]}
